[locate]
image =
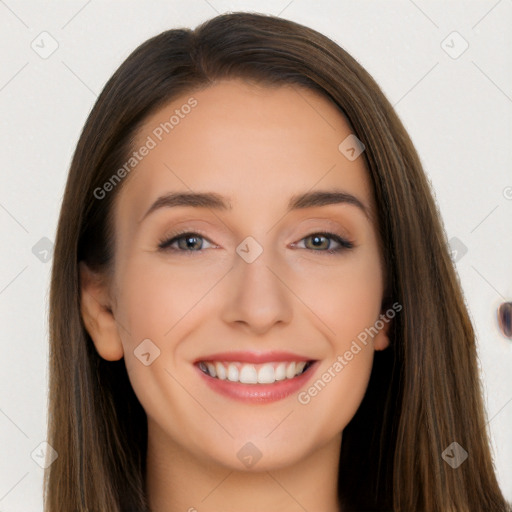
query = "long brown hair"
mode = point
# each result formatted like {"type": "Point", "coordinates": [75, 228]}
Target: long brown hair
{"type": "Point", "coordinates": [424, 392]}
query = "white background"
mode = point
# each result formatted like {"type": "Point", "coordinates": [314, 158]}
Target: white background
{"type": "Point", "coordinates": [458, 112]}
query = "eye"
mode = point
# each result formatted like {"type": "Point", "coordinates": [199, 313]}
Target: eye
{"type": "Point", "coordinates": [317, 240]}
{"type": "Point", "coordinates": [191, 242]}
{"type": "Point", "coordinates": [186, 241]}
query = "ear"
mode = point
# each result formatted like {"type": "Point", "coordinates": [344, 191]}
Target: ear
{"type": "Point", "coordinates": [97, 314]}
{"type": "Point", "coordinates": [381, 339]}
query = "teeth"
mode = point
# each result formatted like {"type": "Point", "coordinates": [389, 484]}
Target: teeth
{"type": "Point", "coordinates": [290, 371]}
{"type": "Point", "coordinates": [267, 373]}
{"type": "Point", "coordinates": [248, 374]}
{"type": "Point", "coordinates": [281, 371]}
{"type": "Point", "coordinates": [232, 373]}
{"type": "Point", "coordinates": [211, 369]}
{"type": "Point", "coordinates": [300, 367]}
{"type": "Point", "coordinates": [220, 370]}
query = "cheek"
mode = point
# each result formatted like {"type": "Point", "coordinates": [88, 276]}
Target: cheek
{"type": "Point", "coordinates": [335, 394]}
{"type": "Point", "coordinates": [152, 305]}
{"type": "Point", "coordinates": [349, 303]}
{"type": "Point", "coordinates": [159, 302]}
{"type": "Point", "coordinates": [346, 295]}
{"type": "Point", "coordinates": [155, 296]}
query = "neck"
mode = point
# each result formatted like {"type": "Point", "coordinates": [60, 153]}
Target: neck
{"type": "Point", "coordinates": [177, 481]}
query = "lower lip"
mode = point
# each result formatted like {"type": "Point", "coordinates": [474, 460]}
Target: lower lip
{"type": "Point", "coordinates": [259, 393]}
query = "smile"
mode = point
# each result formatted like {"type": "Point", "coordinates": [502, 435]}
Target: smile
{"type": "Point", "coordinates": [247, 373]}
{"type": "Point", "coordinates": [256, 377]}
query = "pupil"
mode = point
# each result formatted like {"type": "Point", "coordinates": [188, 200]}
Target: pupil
{"type": "Point", "coordinates": [189, 241]}
{"type": "Point", "coordinates": [317, 240]}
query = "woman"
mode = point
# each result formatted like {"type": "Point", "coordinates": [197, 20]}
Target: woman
{"type": "Point", "coordinates": [207, 351]}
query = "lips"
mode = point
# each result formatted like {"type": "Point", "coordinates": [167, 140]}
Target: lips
{"type": "Point", "coordinates": [255, 376]}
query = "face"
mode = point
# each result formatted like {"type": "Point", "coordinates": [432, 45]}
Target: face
{"type": "Point", "coordinates": [266, 287]}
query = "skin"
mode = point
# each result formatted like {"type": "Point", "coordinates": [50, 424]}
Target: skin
{"type": "Point", "coordinates": [258, 146]}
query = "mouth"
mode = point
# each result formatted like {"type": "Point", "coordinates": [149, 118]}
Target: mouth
{"type": "Point", "coordinates": [255, 378]}
{"type": "Point", "coordinates": [248, 373]}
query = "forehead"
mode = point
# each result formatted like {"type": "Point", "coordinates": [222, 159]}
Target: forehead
{"type": "Point", "coordinates": [256, 144]}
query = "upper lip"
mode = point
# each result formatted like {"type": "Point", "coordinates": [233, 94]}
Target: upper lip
{"type": "Point", "coordinates": [254, 357]}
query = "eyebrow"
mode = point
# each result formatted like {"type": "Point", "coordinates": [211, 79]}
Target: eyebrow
{"type": "Point", "coordinates": [217, 202]}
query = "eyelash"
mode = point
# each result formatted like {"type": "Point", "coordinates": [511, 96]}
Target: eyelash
{"type": "Point", "coordinates": [165, 243]}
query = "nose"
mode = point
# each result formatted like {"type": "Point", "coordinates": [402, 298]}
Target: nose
{"type": "Point", "coordinates": [258, 295]}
